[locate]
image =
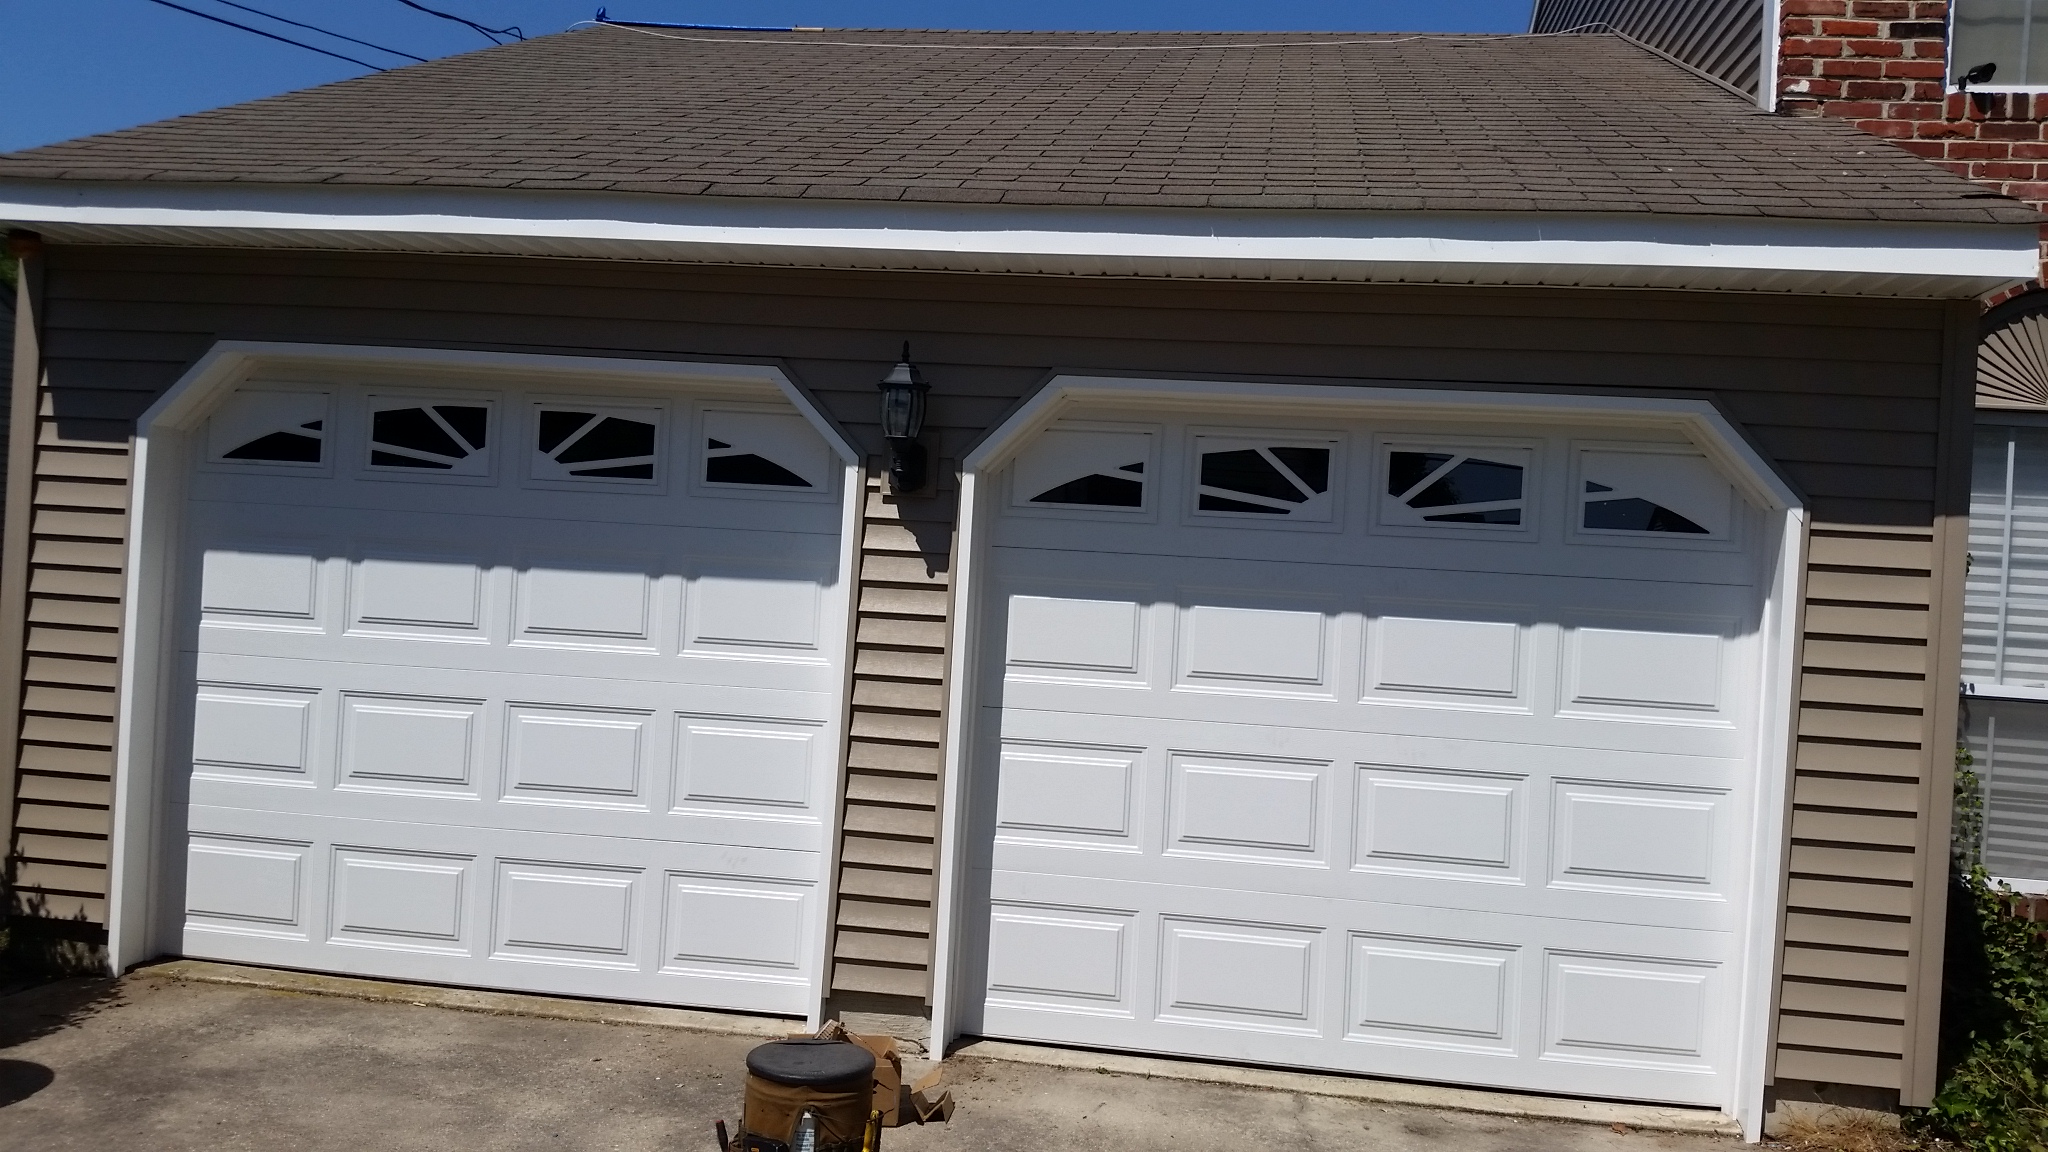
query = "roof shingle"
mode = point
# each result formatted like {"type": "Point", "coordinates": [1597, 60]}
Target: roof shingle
{"type": "Point", "coordinates": [1588, 123]}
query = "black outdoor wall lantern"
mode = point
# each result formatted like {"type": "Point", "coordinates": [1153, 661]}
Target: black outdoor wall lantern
{"type": "Point", "coordinates": [903, 395]}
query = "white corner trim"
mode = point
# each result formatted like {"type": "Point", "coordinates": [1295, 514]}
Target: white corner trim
{"type": "Point", "coordinates": [1777, 739]}
{"type": "Point", "coordinates": [137, 923]}
{"type": "Point", "coordinates": [1561, 248]}
{"type": "Point", "coordinates": [1698, 420]}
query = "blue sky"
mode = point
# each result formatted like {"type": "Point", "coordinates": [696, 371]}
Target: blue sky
{"type": "Point", "coordinates": [75, 67]}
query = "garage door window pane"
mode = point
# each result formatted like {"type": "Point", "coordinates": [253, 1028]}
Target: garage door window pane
{"type": "Point", "coordinates": [1654, 493]}
{"type": "Point", "coordinates": [429, 437]}
{"type": "Point", "coordinates": [259, 427]}
{"type": "Point", "coordinates": [1453, 486]}
{"type": "Point", "coordinates": [1084, 468]}
{"type": "Point", "coordinates": [750, 449]}
{"type": "Point", "coordinates": [1269, 480]}
{"type": "Point", "coordinates": [596, 444]}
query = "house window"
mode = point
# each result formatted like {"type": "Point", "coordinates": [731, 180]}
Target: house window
{"type": "Point", "coordinates": [588, 443]}
{"type": "Point", "coordinates": [1450, 485]}
{"type": "Point", "coordinates": [2005, 644]}
{"type": "Point", "coordinates": [2010, 36]}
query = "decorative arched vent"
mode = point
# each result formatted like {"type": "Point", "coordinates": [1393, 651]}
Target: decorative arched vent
{"type": "Point", "coordinates": [2012, 356]}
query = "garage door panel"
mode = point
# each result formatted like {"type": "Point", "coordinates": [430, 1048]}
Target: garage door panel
{"type": "Point", "coordinates": [566, 511]}
{"type": "Point", "coordinates": [743, 769]}
{"type": "Point", "coordinates": [602, 916]}
{"type": "Point", "coordinates": [1405, 558]}
{"type": "Point", "coordinates": [1443, 772]}
{"type": "Point", "coordinates": [477, 708]}
{"type": "Point", "coordinates": [1429, 993]}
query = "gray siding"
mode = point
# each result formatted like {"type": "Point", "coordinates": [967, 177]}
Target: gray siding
{"type": "Point", "coordinates": [1722, 38]}
{"type": "Point", "coordinates": [1847, 396]}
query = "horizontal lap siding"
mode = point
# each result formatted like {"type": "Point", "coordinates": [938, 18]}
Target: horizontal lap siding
{"type": "Point", "coordinates": [886, 915]}
{"type": "Point", "coordinates": [1842, 394]}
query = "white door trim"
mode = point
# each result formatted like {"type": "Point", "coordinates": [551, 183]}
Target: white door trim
{"type": "Point", "coordinates": [1698, 420]}
{"type": "Point", "coordinates": [138, 925]}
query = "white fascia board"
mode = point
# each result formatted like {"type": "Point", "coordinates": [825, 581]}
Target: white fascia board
{"type": "Point", "coordinates": [1564, 249]}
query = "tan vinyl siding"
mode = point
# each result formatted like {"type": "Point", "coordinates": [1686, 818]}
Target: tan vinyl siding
{"type": "Point", "coordinates": [885, 916]}
{"type": "Point", "coordinates": [1844, 395]}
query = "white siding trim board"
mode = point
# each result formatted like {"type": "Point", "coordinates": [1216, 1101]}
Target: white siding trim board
{"type": "Point", "coordinates": [1585, 250]}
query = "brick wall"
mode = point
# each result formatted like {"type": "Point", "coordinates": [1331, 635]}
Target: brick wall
{"type": "Point", "coordinates": [1881, 63]}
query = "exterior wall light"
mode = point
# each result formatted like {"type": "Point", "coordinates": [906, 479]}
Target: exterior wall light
{"type": "Point", "coordinates": [903, 396]}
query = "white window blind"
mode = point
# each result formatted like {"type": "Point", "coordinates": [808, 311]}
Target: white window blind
{"type": "Point", "coordinates": [2009, 739]}
{"type": "Point", "coordinates": [2005, 646]}
{"type": "Point", "coordinates": [2005, 607]}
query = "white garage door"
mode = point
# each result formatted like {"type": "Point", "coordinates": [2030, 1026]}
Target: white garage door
{"type": "Point", "coordinates": [1412, 750]}
{"type": "Point", "coordinates": [513, 688]}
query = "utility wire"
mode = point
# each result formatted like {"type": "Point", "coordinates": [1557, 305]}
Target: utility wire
{"type": "Point", "coordinates": [267, 35]}
{"type": "Point", "coordinates": [490, 34]}
{"type": "Point", "coordinates": [320, 30]}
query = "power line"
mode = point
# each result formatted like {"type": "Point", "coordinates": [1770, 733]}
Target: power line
{"type": "Point", "coordinates": [490, 34]}
{"type": "Point", "coordinates": [317, 28]}
{"type": "Point", "coordinates": [268, 35]}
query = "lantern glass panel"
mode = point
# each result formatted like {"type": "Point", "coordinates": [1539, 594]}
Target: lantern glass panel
{"type": "Point", "coordinates": [902, 413]}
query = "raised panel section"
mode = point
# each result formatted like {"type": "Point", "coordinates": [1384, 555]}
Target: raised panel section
{"type": "Point", "coordinates": [1246, 808]}
{"type": "Point", "coordinates": [1626, 1010]}
{"type": "Point", "coordinates": [1443, 823]}
{"type": "Point", "coordinates": [1069, 791]}
{"type": "Point", "coordinates": [576, 607]}
{"type": "Point", "coordinates": [1635, 838]}
{"type": "Point", "coordinates": [770, 612]}
{"type": "Point", "coordinates": [256, 588]}
{"type": "Point", "coordinates": [415, 901]}
{"type": "Point", "coordinates": [1254, 976]}
{"type": "Point", "coordinates": [760, 764]}
{"type": "Point", "coordinates": [565, 913]}
{"type": "Point", "coordinates": [245, 885]}
{"type": "Point", "coordinates": [408, 743]}
{"type": "Point", "coordinates": [1070, 959]}
{"type": "Point", "coordinates": [414, 594]}
{"type": "Point", "coordinates": [1066, 634]}
{"type": "Point", "coordinates": [1253, 648]}
{"type": "Point", "coordinates": [1432, 993]}
{"type": "Point", "coordinates": [244, 732]}
{"type": "Point", "coordinates": [580, 756]}
{"type": "Point", "coordinates": [1419, 657]}
{"type": "Point", "coordinates": [713, 922]}
{"type": "Point", "coordinates": [1641, 669]}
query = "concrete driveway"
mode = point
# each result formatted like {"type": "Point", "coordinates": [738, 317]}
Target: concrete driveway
{"type": "Point", "coordinates": [151, 1064]}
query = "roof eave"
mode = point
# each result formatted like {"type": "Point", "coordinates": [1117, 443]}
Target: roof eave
{"type": "Point", "coordinates": [1895, 258]}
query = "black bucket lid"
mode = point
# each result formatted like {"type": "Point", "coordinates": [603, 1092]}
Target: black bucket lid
{"type": "Point", "coordinates": [809, 1063]}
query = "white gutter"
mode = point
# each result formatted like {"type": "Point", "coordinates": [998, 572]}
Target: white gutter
{"type": "Point", "coordinates": [1739, 253]}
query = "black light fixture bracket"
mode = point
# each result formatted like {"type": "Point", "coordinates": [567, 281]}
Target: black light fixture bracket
{"type": "Point", "coordinates": [903, 403]}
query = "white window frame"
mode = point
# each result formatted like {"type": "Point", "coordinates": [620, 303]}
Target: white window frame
{"type": "Point", "coordinates": [2036, 9]}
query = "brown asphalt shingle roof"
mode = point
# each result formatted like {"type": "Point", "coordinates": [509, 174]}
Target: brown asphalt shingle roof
{"type": "Point", "coordinates": [1555, 124]}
